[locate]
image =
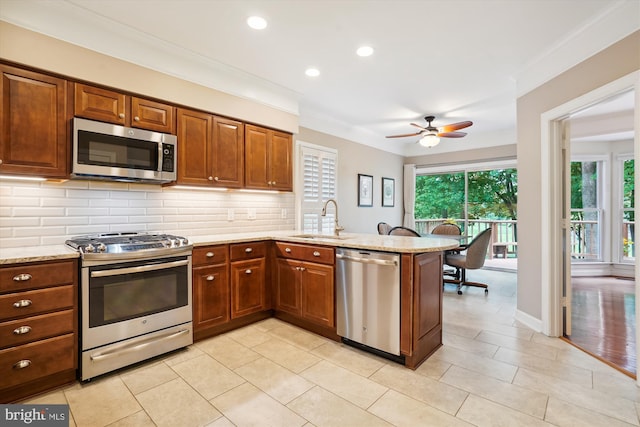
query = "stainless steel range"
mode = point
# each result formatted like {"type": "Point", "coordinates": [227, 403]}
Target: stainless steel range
{"type": "Point", "coordinates": [135, 298]}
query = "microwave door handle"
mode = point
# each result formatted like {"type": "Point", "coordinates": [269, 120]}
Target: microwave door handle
{"type": "Point", "coordinates": [159, 168]}
{"type": "Point", "coordinates": [139, 269]}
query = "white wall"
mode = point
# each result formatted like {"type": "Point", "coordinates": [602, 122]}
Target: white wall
{"type": "Point", "coordinates": [35, 214]}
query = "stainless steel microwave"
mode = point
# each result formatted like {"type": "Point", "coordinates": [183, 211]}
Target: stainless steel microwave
{"type": "Point", "coordinates": [111, 152]}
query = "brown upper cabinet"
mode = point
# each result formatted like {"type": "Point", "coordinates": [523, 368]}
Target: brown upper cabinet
{"type": "Point", "coordinates": [114, 107]}
{"type": "Point", "coordinates": [268, 159]}
{"type": "Point", "coordinates": [210, 150]}
{"type": "Point", "coordinates": [34, 122]}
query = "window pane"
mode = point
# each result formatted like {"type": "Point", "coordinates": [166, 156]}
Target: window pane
{"type": "Point", "coordinates": [585, 211]}
{"type": "Point", "coordinates": [440, 196]}
{"type": "Point", "coordinates": [493, 202]}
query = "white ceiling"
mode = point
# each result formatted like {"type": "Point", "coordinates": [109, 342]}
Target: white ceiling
{"type": "Point", "coordinates": [455, 59]}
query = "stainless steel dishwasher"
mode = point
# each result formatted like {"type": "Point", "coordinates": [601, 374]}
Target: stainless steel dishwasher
{"type": "Point", "coordinates": [368, 299]}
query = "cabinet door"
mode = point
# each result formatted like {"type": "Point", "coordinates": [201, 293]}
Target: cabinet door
{"type": "Point", "coordinates": [100, 104]}
{"type": "Point", "coordinates": [318, 294]}
{"type": "Point", "coordinates": [34, 122]}
{"type": "Point", "coordinates": [210, 296]}
{"type": "Point", "coordinates": [248, 287]}
{"type": "Point", "coordinates": [228, 153]}
{"type": "Point", "coordinates": [194, 148]}
{"type": "Point", "coordinates": [288, 296]}
{"type": "Point", "coordinates": [281, 162]}
{"type": "Point", "coordinates": [152, 115]}
{"type": "Point", "coordinates": [256, 158]}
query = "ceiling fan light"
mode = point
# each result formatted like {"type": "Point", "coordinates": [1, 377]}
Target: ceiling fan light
{"type": "Point", "coordinates": [429, 140]}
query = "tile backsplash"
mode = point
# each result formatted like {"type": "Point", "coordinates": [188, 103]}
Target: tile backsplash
{"type": "Point", "coordinates": [47, 213]}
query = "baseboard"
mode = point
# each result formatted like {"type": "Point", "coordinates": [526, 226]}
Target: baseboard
{"type": "Point", "coordinates": [528, 320]}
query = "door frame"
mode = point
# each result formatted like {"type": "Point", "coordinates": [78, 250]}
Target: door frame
{"type": "Point", "coordinates": [550, 177]}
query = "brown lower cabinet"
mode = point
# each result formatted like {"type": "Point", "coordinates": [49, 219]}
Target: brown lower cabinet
{"type": "Point", "coordinates": [38, 327]}
{"type": "Point", "coordinates": [304, 283]}
{"type": "Point", "coordinates": [211, 296]}
{"type": "Point", "coordinates": [229, 287]}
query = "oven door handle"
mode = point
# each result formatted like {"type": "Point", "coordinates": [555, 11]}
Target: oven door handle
{"type": "Point", "coordinates": [139, 269]}
{"type": "Point", "coordinates": [137, 346]}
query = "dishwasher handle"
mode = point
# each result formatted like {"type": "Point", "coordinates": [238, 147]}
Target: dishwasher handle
{"type": "Point", "coordinates": [367, 260]}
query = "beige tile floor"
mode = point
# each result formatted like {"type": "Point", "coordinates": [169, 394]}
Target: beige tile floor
{"type": "Point", "coordinates": [491, 371]}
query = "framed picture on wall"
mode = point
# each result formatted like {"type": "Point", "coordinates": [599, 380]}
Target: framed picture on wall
{"type": "Point", "coordinates": [365, 190]}
{"type": "Point", "coordinates": [388, 192]}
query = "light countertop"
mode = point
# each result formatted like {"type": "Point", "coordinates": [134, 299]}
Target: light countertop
{"type": "Point", "coordinates": [400, 244]}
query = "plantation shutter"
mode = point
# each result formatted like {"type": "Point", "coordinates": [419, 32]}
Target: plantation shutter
{"type": "Point", "coordinates": [319, 176]}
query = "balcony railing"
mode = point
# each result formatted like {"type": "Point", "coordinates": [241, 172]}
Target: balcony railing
{"type": "Point", "coordinates": [585, 237]}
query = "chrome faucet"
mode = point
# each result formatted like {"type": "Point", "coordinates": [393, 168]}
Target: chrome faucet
{"type": "Point", "coordinates": [337, 228]}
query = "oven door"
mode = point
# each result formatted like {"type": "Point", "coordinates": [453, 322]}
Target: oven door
{"type": "Point", "coordinates": [129, 299]}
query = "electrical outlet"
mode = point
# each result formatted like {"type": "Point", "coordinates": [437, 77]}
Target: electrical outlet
{"type": "Point", "coordinates": [283, 213]}
{"type": "Point", "coordinates": [251, 213]}
{"type": "Point", "coordinates": [230, 214]}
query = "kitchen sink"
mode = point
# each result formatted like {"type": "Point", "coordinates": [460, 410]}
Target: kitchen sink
{"type": "Point", "coordinates": [320, 236]}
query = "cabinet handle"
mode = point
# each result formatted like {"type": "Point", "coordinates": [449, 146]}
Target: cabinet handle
{"type": "Point", "coordinates": [22, 330]}
{"type": "Point", "coordinates": [248, 271]}
{"type": "Point", "coordinates": [273, 183]}
{"type": "Point", "coordinates": [22, 303]}
{"type": "Point", "coordinates": [302, 269]}
{"type": "Point", "coordinates": [215, 178]}
{"type": "Point", "coordinates": [24, 363]}
{"type": "Point", "coordinates": [248, 250]}
{"type": "Point", "coordinates": [121, 115]}
{"type": "Point", "coordinates": [287, 250]}
{"type": "Point", "coordinates": [210, 278]}
{"type": "Point", "coordinates": [316, 253]}
{"type": "Point", "coordinates": [136, 118]}
{"type": "Point", "coordinates": [0, 161]}
{"type": "Point", "coordinates": [22, 277]}
{"type": "Point", "coordinates": [210, 178]}
{"type": "Point", "coordinates": [210, 254]}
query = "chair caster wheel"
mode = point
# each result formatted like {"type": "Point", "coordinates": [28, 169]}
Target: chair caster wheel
{"type": "Point", "coordinates": [486, 291]}
{"type": "Point", "coordinates": [459, 292]}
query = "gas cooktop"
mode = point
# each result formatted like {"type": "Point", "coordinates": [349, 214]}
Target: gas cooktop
{"type": "Point", "coordinates": [119, 243]}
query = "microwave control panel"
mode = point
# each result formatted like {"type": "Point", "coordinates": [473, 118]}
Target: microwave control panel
{"type": "Point", "coordinates": [168, 157]}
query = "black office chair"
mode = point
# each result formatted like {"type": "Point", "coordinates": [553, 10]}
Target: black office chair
{"type": "Point", "coordinates": [403, 231]}
{"type": "Point", "coordinates": [384, 228]}
{"type": "Point", "coordinates": [472, 258]}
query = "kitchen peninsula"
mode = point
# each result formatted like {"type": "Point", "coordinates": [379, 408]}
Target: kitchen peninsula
{"type": "Point", "coordinates": [278, 261]}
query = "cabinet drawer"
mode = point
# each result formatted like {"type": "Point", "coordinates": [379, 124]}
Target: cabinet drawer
{"type": "Point", "coordinates": [210, 255]}
{"type": "Point", "coordinates": [318, 254]}
{"type": "Point", "coordinates": [30, 276]}
{"type": "Point", "coordinates": [28, 303]}
{"type": "Point", "coordinates": [35, 328]}
{"type": "Point", "coordinates": [241, 251]}
{"type": "Point", "coordinates": [28, 362]}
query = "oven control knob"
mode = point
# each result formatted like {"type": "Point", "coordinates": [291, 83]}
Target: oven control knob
{"type": "Point", "coordinates": [102, 247]}
{"type": "Point", "coordinates": [89, 248]}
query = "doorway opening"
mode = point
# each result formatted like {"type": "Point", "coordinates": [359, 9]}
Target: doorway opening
{"type": "Point", "coordinates": [558, 267]}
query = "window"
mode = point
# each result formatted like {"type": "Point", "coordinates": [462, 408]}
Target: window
{"type": "Point", "coordinates": [586, 210]}
{"type": "Point", "coordinates": [478, 197]}
{"type": "Point", "coordinates": [318, 182]}
{"type": "Point", "coordinates": [628, 251]}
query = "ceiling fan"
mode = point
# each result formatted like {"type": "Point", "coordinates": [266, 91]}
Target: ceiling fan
{"type": "Point", "coordinates": [433, 134]}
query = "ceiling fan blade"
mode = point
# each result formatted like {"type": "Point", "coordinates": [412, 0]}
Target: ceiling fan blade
{"type": "Point", "coordinates": [455, 126]}
{"type": "Point", "coordinates": [451, 134]}
{"type": "Point", "coordinates": [418, 126]}
{"type": "Point", "coordinates": [405, 135]}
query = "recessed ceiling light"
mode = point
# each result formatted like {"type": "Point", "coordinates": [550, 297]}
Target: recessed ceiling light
{"type": "Point", "coordinates": [365, 51]}
{"type": "Point", "coordinates": [257, 22]}
{"type": "Point", "coordinates": [312, 72]}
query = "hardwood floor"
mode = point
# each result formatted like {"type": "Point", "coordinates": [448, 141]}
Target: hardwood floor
{"type": "Point", "coordinates": [603, 319]}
